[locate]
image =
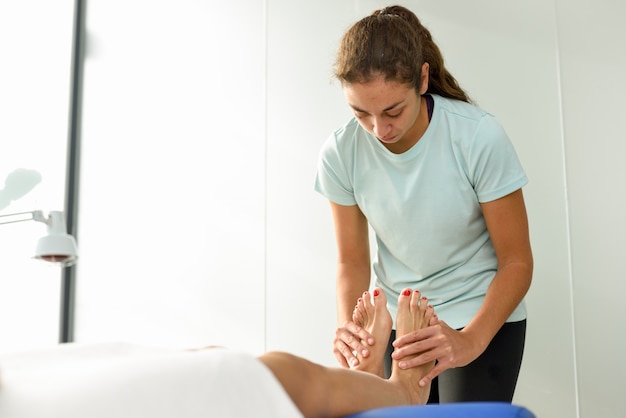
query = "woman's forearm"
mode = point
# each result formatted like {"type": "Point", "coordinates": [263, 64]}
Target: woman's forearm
{"type": "Point", "coordinates": [352, 281]}
{"type": "Point", "coordinates": [505, 293]}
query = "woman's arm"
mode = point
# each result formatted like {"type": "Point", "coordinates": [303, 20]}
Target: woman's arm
{"type": "Point", "coordinates": [507, 223]}
{"type": "Point", "coordinates": [353, 277]}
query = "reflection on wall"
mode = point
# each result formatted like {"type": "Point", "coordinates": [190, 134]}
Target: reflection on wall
{"type": "Point", "coordinates": [17, 184]}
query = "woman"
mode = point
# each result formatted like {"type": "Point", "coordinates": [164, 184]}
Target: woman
{"type": "Point", "coordinates": [438, 181]}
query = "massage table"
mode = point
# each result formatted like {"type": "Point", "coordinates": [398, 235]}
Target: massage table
{"type": "Point", "coordinates": [452, 410]}
{"type": "Point", "coordinates": [119, 380]}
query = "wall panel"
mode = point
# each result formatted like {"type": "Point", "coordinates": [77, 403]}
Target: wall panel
{"type": "Point", "coordinates": [172, 191]}
{"type": "Point", "coordinates": [592, 46]}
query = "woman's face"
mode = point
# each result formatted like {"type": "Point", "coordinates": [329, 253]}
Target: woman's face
{"type": "Point", "coordinates": [390, 111]}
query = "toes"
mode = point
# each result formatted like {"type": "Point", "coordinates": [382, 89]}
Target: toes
{"type": "Point", "coordinates": [367, 301]}
{"type": "Point", "coordinates": [415, 301]}
{"type": "Point", "coordinates": [423, 309]}
{"type": "Point", "coordinates": [423, 304]}
{"type": "Point", "coordinates": [414, 311]}
{"type": "Point", "coordinates": [429, 315]}
{"type": "Point", "coordinates": [357, 316]}
{"type": "Point", "coordinates": [380, 300]}
{"type": "Point", "coordinates": [404, 300]}
{"type": "Point", "coordinates": [364, 306]}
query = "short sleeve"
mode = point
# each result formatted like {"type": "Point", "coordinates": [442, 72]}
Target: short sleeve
{"type": "Point", "coordinates": [332, 179]}
{"type": "Point", "coordinates": [495, 170]}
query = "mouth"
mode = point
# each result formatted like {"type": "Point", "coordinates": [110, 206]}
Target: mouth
{"type": "Point", "coordinates": [387, 139]}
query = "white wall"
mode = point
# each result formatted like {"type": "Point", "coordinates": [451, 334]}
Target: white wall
{"type": "Point", "coordinates": [172, 190]}
{"type": "Point", "coordinates": [203, 121]}
{"type": "Point", "coordinates": [592, 51]}
{"type": "Point", "coordinates": [35, 47]}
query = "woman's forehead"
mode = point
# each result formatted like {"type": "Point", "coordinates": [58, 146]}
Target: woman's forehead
{"type": "Point", "coordinates": [377, 94]}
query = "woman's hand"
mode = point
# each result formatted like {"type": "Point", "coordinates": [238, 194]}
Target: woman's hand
{"type": "Point", "coordinates": [351, 339]}
{"type": "Point", "coordinates": [451, 348]}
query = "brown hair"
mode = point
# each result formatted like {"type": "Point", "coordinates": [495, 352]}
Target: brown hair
{"type": "Point", "coordinates": [393, 43]}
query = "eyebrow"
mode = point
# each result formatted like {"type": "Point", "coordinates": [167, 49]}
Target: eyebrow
{"type": "Point", "coordinates": [388, 108]}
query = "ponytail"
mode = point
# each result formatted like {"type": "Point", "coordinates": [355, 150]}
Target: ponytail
{"type": "Point", "coordinates": [393, 43]}
{"type": "Point", "coordinates": [440, 81]}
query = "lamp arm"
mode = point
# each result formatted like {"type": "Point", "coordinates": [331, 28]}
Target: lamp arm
{"type": "Point", "coordinates": [35, 215]}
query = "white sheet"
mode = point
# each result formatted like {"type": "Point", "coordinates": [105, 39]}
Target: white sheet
{"type": "Point", "coordinates": [121, 380]}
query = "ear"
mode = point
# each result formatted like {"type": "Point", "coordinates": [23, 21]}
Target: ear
{"type": "Point", "coordinates": [424, 78]}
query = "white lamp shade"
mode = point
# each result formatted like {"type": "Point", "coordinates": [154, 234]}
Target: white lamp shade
{"type": "Point", "coordinates": [59, 248]}
{"type": "Point", "coordinates": [58, 245]}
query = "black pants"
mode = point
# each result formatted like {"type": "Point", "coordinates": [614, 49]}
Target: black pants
{"type": "Point", "coordinates": [490, 378]}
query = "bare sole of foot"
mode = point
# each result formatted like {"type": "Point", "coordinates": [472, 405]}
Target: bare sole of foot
{"type": "Point", "coordinates": [414, 313]}
{"type": "Point", "coordinates": [371, 314]}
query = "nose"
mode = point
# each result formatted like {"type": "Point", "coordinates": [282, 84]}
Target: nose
{"type": "Point", "coordinates": [381, 128]}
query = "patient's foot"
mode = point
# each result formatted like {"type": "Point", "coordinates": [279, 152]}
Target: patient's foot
{"type": "Point", "coordinates": [372, 314]}
{"type": "Point", "coordinates": [414, 313]}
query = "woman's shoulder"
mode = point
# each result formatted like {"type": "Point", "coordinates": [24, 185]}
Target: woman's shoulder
{"type": "Point", "coordinates": [467, 118]}
{"type": "Point", "coordinates": [345, 135]}
{"type": "Point", "coordinates": [459, 108]}
{"type": "Point", "coordinates": [348, 130]}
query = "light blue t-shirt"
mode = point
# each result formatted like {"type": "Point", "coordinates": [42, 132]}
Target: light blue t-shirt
{"type": "Point", "coordinates": [424, 204]}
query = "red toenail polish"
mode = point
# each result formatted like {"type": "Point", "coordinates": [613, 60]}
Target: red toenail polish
{"type": "Point", "coordinates": [424, 298]}
{"type": "Point", "coordinates": [376, 292]}
{"type": "Point", "coordinates": [407, 293]}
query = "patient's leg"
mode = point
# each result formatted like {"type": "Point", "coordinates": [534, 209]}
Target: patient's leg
{"type": "Point", "coordinates": [320, 391]}
{"type": "Point", "coordinates": [372, 314]}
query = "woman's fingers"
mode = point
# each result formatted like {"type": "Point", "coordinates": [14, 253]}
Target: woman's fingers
{"type": "Point", "coordinates": [351, 339]}
{"type": "Point", "coordinates": [416, 342]}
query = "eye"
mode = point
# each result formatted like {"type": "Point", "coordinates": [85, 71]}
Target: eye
{"type": "Point", "coordinates": [394, 115]}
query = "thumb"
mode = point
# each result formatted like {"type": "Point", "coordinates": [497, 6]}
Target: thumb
{"type": "Point", "coordinates": [434, 372]}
